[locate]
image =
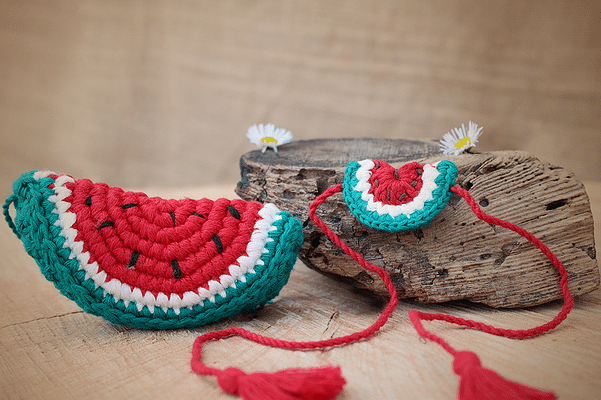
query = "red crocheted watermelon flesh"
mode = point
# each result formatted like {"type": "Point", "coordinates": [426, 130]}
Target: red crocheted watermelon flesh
{"type": "Point", "coordinates": [395, 186]}
{"type": "Point", "coordinates": [157, 245]}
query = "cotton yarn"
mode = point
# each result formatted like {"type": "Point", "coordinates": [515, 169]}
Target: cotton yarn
{"type": "Point", "coordinates": [393, 200]}
{"type": "Point", "coordinates": [161, 264]}
{"type": "Point", "coordinates": [401, 212]}
{"type": "Point", "coordinates": [152, 263]}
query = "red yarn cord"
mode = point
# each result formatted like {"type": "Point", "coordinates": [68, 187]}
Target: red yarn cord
{"type": "Point", "coordinates": [203, 369]}
{"type": "Point", "coordinates": [417, 316]}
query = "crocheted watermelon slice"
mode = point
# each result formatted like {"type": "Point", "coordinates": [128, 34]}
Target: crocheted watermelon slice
{"type": "Point", "coordinates": [393, 200]}
{"type": "Point", "coordinates": [149, 262]}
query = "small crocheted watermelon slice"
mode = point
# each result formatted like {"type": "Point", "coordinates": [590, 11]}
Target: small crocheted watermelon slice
{"type": "Point", "coordinates": [390, 199]}
{"type": "Point", "coordinates": [149, 262]}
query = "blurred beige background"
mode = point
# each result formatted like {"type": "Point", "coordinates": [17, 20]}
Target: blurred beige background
{"type": "Point", "coordinates": [161, 93]}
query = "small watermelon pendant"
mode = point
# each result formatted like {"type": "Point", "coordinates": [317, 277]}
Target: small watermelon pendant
{"type": "Point", "coordinates": [152, 263]}
{"type": "Point", "coordinates": [394, 200]}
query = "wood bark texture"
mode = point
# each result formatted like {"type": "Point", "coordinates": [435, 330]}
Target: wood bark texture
{"type": "Point", "coordinates": [457, 256]}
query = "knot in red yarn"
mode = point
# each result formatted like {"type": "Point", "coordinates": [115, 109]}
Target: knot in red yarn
{"type": "Point", "coordinates": [229, 379]}
{"type": "Point", "coordinates": [465, 360]}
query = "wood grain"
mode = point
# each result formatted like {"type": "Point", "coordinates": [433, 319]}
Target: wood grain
{"type": "Point", "coordinates": [457, 256]}
{"type": "Point", "coordinates": [50, 349]}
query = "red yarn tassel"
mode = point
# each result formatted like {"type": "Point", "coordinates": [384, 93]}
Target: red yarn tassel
{"type": "Point", "coordinates": [479, 383]}
{"type": "Point", "coordinates": [476, 382]}
{"type": "Point", "coordinates": [290, 384]}
{"type": "Point", "coordinates": [294, 384]}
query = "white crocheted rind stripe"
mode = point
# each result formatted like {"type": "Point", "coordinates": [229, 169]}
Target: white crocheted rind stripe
{"type": "Point", "coordinates": [122, 291]}
{"type": "Point", "coordinates": [429, 185]}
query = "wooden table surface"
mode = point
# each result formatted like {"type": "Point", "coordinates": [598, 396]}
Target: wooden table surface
{"type": "Point", "coordinates": [49, 348]}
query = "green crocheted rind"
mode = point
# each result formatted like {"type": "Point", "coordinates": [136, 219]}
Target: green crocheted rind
{"type": "Point", "coordinates": [34, 224]}
{"type": "Point", "coordinates": [358, 206]}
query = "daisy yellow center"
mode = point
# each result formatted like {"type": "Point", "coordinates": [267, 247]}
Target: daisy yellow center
{"type": "Point", "coordinates": [269, 140]}
{"type": "Point", "coordinates": [463, 142]}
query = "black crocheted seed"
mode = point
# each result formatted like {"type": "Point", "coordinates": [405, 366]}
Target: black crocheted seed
{"type": "Point", "coordinates": [133, 260]}
{"type": "Point", "coordinates": [217, 241]}
{"type": "Point", "coordinates": [177, 272]}
{"type": "Point", "coordinates": [234, 212]}
{"type": "Point", "coordinates": [128, 205]}
{"type": "Point", "coordinates": [89, 201]}
{"type": "Point", "coordinates": [199, 215]}
{"type": "Point", "coordinates": [106, 224]}
{"type": "Point", "coordinates": [172, 217]}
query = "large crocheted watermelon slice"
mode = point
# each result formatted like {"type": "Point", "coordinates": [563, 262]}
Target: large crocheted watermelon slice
{"type": "Point", "coordinates": [149, 262]}
{"type": "Point", "coordinates": [390, 199]}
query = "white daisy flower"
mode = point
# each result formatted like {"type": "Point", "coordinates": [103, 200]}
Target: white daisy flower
{"type": "Point", "coordinates": [458, 139]}
{"type": "Point", "coordinates": [268, 136]}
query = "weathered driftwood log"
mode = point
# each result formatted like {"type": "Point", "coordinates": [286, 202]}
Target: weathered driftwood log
{"type": "Point", "coordinates": [457, 256]}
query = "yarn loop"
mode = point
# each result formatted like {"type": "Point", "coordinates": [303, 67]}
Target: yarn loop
{"type": "Point", "coordinates": [47, 205]}
{"type": "Point", "coordinates": [476, 382]}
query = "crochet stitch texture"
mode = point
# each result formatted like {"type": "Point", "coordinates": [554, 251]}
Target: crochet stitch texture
{"type": "Point", "coordinates": [394, 200]}
{"type": "Point", "coordinates": [152, 263]}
